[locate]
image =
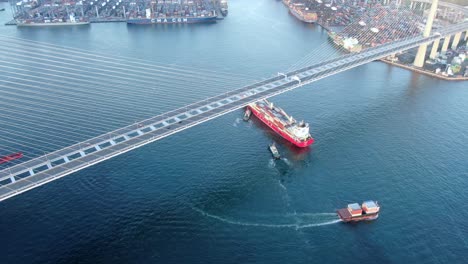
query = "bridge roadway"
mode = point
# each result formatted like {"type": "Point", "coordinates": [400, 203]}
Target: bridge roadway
{"type": "Point", "coordinates": [39, 171]}
{"type": "Point", "coordinates": [456, 7]}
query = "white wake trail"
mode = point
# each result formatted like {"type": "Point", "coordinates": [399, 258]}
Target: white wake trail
{"type": "Point", "coordinates": [268, 225]}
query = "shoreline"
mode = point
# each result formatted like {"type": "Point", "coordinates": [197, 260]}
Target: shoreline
{"type": "Point", "coordinates": [426, 72]}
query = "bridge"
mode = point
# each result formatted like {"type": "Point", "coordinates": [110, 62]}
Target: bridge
{"type": "Point", "coordinates": [44, 169]}
{"type": "Point", "coordinates": [446, 6]}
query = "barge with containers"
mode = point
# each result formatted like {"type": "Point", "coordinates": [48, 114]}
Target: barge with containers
{"type": "Point", "coordinates": [282, 123]}
{"type": "Point", "coordinates": [369, 210]}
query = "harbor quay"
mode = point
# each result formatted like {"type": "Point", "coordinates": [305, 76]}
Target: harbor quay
{"type": "Point", "coordinates": [83, 12]}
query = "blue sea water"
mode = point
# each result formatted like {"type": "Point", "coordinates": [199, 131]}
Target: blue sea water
{"type": "Point", "coordinates": [213, 194]}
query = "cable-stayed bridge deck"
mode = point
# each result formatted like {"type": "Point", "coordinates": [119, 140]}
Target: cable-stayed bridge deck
{"type": "Point", "coordinates": [38, 171]}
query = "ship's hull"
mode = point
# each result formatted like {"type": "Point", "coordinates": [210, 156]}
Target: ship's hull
{"type": "Point", "coordinates": [11, 157]}
{"type": "Point", "coordinates": [301, 144]}
{"type": "Point", "coordinates": [172, 20]}
{"type": "Point", "coordinates": [360, 218]}
{"type": "Point", "coordinates": [51, 24]}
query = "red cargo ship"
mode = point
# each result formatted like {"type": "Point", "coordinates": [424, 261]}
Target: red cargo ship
{"type": "Point", "coordinates": [11, 157]}
{"type": "Point", "coordinates": [282, 123]}
{"type": "Point", "coordinates": [354, 212]}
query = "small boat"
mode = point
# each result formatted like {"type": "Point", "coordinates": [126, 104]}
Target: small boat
{"type": "Point", "coordinates": [369, 210]}
{"type": "Point", "coordinates": [247, 114]}
{"type": "Point", "coordinates": [224, 11]}
{"type": "Point", "coordinates": [274, 151]}
{"type": "Point", "coordinates": [11, 157]}
{"type": "Point", "coordinates": [2, 9]}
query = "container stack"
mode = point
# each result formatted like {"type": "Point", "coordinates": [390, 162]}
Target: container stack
{"type": "Point", "coordinates": [370, 207]}
{"type": "Point", "coordinates": [354, 209]}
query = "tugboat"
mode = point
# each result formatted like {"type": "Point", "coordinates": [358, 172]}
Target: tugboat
{"type": "Point", "coordinates": [274, 151]}
{"type": "Point", "coordinates": [224, 7]}
{"type": "Point", "coordinates": [282, 123]}
{"type": "Point", "coordinates": [369, 210]}
{"type": "Point", "coordinates": [247, 114]}
{"type": "Point", "coordinates": [224, 11]}
{"type": "Point", "coordinates": [11, 157]}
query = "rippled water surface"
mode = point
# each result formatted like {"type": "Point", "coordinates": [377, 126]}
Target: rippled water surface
{"type": "Point", "coordinates": [213, 194]}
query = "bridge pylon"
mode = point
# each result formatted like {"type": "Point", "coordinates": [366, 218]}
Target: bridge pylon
{"type": "Point", "coordinates": [420, 56]}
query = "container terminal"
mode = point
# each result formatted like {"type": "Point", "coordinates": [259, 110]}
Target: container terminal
{"type": "Point", "coordinates": [82, 12]}
{"type": "Point", "coordinates": [356, 25]}
{"type": "Point", "coordinates": [367, 31]}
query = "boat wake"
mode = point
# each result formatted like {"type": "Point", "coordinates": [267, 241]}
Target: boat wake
{"type": "Point", "coordinates": [271, 163]}
{"type": "Point", "coordinates": [296, 221]}
{"type": "Point", "coordinates": [282, 185]}
{"type": "Point", "coordinates": [237, 122]}
{"type": "Point", "coordinates": [287, 162]}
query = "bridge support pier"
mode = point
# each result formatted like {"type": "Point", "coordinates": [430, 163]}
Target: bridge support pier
{"type": "Point", "coordinates": [456, 40]}
{"type": "Point", "coordinates": [420, 56]}
{"type": "Point", "coordinates": [446, 44]}
{"type": "Point", "coordinates": [435, 46]}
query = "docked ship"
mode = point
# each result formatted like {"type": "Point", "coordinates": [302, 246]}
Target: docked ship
{"type": "Point", "coordinates": [369, 210]}
{"type": "Point", "coordinates": [152, 18]}
{"type": "Point", "coordinates": [70, 21]}
{"type": "Point", "coordinates": [303, 13]}
{"type": "Point", "coordinates": [11, 157]}
{"type": "Point", "coordinates": [282, 123]}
